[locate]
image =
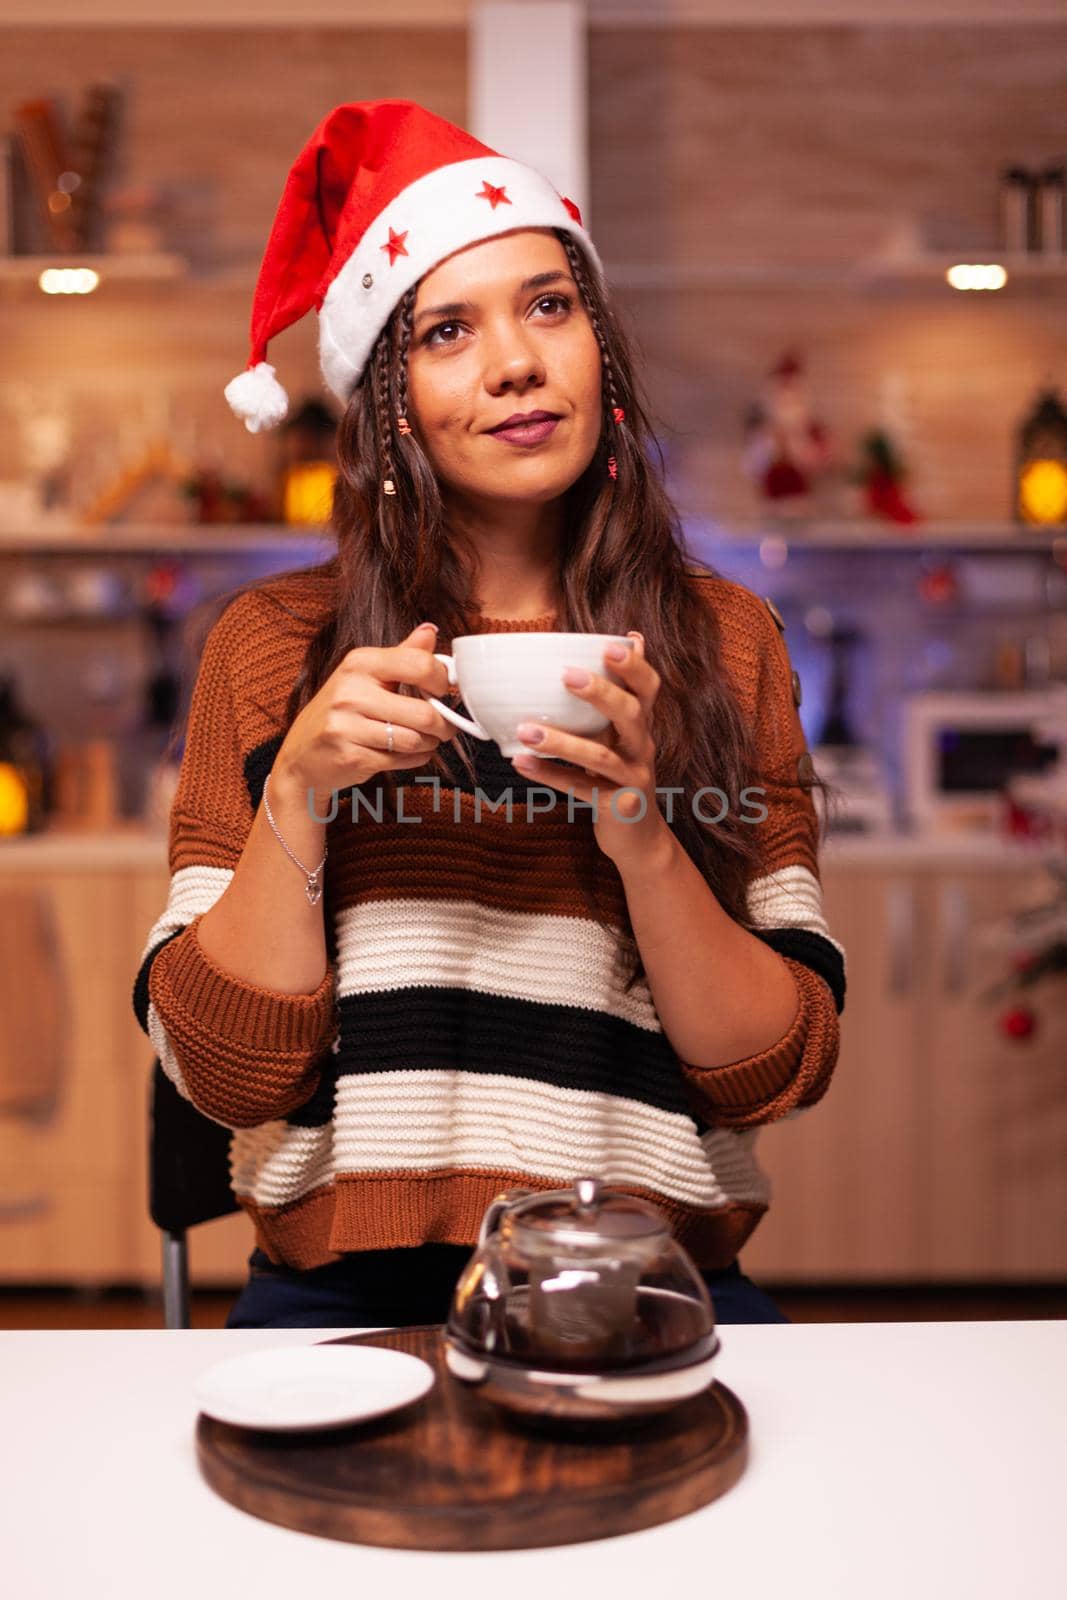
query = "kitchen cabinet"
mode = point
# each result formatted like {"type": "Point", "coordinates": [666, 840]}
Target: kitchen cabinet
{"type": "Point", "coordinates": [73, 1175]}
{"type": "Point", "coordinates": [995, 1125]}
{"type": "Point", "coordinates": [938, 1154]}
{"type": "Point", "coordinates": [844, 1202]}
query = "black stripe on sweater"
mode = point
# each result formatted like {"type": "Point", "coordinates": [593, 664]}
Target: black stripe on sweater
{"type": "Point", "coordinates": [814, 951]}
{"type": "Point", "coordinates": [258, 763]}
{"type": "Point", "coordinates": [568, 1047]}
{"type": "Point", "coordinates": [140, 984]}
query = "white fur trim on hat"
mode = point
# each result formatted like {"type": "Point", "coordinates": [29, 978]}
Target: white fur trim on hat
{"type": "Point", "coordinates": [257, 397]}
{"type": "Point", "coordinates": [441, 212]}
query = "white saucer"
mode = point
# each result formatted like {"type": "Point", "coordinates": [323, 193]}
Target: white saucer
{"type": "Point", "coordinates": [311, 1386]}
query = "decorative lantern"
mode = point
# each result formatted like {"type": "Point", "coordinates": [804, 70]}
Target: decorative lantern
{"type": "Point", "coordinates": [1041, 464]}
{"type": "Point", "coordinates": [25, 765]}
{"type": "Point", "coordinates": [14, 799]}
{"type": "Point", "coordinates": [308, 466]}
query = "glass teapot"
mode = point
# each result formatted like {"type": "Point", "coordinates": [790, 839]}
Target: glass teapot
{"type": "Point", "coordinates": [579, 1303]}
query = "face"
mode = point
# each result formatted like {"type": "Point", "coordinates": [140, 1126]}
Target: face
{"type": "Point", "coordinates": [486, 343]}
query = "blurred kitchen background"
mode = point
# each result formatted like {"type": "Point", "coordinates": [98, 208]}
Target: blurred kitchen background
{"type": "Point", "coordinates": [840, 248]}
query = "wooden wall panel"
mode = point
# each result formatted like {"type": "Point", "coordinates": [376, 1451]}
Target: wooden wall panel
{"type": "Point", "coordinates": [217, 118]}
{"type": "Point", "coordinates": [796, 146]}
{"type": "Point", "coordinates": [764, 144]}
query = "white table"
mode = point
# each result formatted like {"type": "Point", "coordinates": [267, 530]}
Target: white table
{"type": "Point", "coordinates": [897, 1460]}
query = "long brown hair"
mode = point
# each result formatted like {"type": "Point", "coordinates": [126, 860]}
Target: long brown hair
{"type": "Point", "coordinates": [621, 566]}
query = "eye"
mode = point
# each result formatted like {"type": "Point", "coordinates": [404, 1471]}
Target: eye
{"type": "Point", "coordinates": [434, 331]}
{"type": "Point", "coordinates": [562, 300]}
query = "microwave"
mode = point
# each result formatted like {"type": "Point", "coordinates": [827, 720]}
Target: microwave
{"type": "Point", "coordinates": [962, 748]}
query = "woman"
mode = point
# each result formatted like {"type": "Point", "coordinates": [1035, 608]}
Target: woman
{"type": "Point", "coordinates": [400, 1008]}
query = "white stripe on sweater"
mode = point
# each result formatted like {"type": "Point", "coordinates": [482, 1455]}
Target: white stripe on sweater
{"type": "Point", "coordinates": [275, 1164]}
{"type": "Point", "coordinates": [525, 955]}
{"type": "Point", "coordinates": [193, 890]}
{"type": "Point", "coordinates": [412, 1121]}
{"type": "Point", "coordinates": [790, 898]}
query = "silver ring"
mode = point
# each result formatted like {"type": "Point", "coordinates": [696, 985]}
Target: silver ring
{"type": "Point", "coordinates": [389, 736]}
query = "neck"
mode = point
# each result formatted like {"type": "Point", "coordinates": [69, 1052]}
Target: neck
{"type": "Point", "coordinates": [515, 548]}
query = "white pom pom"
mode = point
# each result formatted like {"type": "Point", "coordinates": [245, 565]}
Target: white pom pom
{"type": "Point", "coordinates": [257, 397]}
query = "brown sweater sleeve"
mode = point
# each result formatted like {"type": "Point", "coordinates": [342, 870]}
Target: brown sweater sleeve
{"type": "Point", "coordinates": [785, 895]}
{"type": "Point", "coordinates": [242, 1054]}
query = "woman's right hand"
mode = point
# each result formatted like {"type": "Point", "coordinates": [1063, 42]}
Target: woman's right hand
{"type": "Point", "coordinates": [339, 738]}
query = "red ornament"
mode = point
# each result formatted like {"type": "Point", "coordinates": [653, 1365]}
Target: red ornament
{"type": "Point", "coordinates": [1018, 1023]}
{"type": "Point", "coordinates": [618, 413]}
{"type": "Point", "coordinates": [161, 582]}
{"type": "Point", "coordinates": [885, 499]}
{"type": "Point", "coordinates": [613, 470]}
{"type": "Point", "coordinates": [491, 193]}
{"type": "Point", "coordinates": [938, 586]}
{"type": "Point", "coordinates": [395, 244]}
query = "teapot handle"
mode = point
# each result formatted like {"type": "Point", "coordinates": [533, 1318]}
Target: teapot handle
{"type": "Point", "coordinates": [496, 1209]}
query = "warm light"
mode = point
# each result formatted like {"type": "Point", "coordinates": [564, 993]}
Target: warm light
{"type": "Point", "coordinates": [1043, 491]}
{"type": "Point", "coordinates": [976, 275]}
{"type": "Point", "coordinates": [14, 799]}
{"type": "Point", "coordinates": [68, 280]}
{"type": "Point", "coordinates": [308, 495]}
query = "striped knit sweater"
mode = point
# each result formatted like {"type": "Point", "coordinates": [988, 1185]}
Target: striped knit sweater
{"type": "Point", "coordinates": [471, 1031]}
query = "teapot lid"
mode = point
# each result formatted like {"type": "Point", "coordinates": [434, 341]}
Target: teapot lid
{"type": "Point", "coordinates": [587, 1211]}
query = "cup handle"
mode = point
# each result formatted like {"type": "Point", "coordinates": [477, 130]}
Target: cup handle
{"type": "Point", "coordinates": [447, 711]}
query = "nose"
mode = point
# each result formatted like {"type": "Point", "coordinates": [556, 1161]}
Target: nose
{"type": "Point", "coordinates": [514, 362]}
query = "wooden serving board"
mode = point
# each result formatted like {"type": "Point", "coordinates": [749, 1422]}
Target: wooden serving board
{"type": "Point", "coordinates": [453, 1472]}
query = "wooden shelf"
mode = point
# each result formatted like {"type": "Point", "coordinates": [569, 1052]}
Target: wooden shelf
{"type": "Point", "coordinates": [24, 271]}
{"type": "Point", "coordinates": [169, 538]}
{"type": "Point", "coordinates": [922, 270]}
{"type": "Point", "coordinates": [998, 537]}
{"type": "Point", "coordinates": [224, 538]}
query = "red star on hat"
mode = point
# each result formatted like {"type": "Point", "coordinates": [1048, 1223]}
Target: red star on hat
{"type": "Point", "coordinates": [493, 194]}
{"type": "Point", "coordinates": [395, 245]}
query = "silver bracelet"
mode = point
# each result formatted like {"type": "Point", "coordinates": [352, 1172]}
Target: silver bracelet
{"type": "Point", "coordinates": [313, 887]}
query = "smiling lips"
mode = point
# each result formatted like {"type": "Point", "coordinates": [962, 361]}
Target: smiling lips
{"type": "Point", "coordinates": [527, 433]}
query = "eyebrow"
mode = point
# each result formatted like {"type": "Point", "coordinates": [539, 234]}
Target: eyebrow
{"type": "Point", "coordinates": [455, 307]}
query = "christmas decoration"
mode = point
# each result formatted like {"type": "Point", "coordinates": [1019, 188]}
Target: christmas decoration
{"type": "Point", "coordinates": [1018, 1023]}
{"type": "Point", "coordinates": [1041, 463]}
{"type": "Point", "coordinates": [382, 191]}
{"type": "Point", "coordinates": [881, 474]}
{"type": "Point", "coordinates": [150, 486]}
{"type": "Point", "coordinates": [219, 499]}
{"type": "Point", "coordinates": [938, 583]}
{"type": "Point", "coordinates": [1034, 804]}
{"type": "Point", "coordinates": [785, 449]}
{"type": "Point", "coordinates": [308, 469]}
{"type": "Point", "coordinates": [1037, 941]}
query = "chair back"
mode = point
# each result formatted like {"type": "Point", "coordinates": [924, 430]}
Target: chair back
{"type": "Point", "coordinates": [188, 1161]}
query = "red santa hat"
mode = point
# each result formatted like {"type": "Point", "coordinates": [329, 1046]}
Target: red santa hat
{"type": "Point", "coordinates": [382, 191]}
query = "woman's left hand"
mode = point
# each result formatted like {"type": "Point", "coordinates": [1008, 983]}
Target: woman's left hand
{"type": "Point", "coordinates": [619, 776]}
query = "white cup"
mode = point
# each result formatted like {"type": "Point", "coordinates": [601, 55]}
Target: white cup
{"type": "Point", "coordinates": [508, 678]}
